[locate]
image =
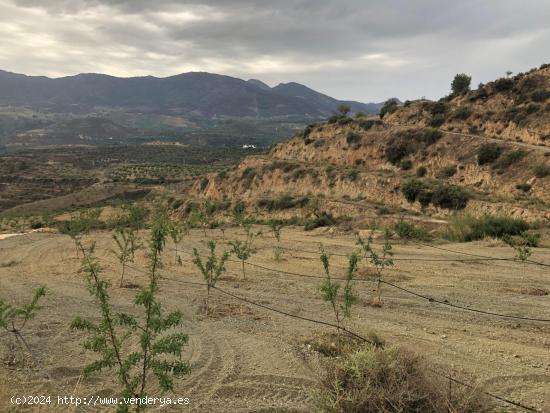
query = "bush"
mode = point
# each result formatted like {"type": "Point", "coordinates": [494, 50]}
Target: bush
{"type": "Point", "coordinates": [396, 151]}
{"type": "Point", "coordinates": [284, 202]}
{"type": "Point", "coordinates": [439, 108]}
{"type": "Point", "coordinates": [542, 170]}
{"type": "Point", "coordinates": [353, 138]}
{"type": "Point", "coordinates": [467, 228]}
{"type": "Point", "coordinates": [488, 153]}
{"type": "Point", "coordinates": [421, 171]}
{"type": "Point", "coordinates": [450, 197]}
{"type": "Point", "coordinates": [540, 95]}
{"type": "Point", "coordinates": [367, 124]}
{"type": "Point", "coordinates": [462, 113]}
{"type": "Point", "coordinates": [461, 84]}
{"type": "Point", "coordinates": [503, 84]}
{"type": "Point", "coordinates": [437, 120]}
{"type": "Point", "coordinates": [375, 380]}
{"type": "Point", "coordinates": [412, 188]}
{"type": "Point", "coordinates": [406, 165]}
{"type": "Point", "coordinates": [510, 158]}
{"type": "Point", "coordinates": [446, 172]}
{"type": "Point", "coordinates": [523, 187]}
{"type": "Point", "coordinates": [323, 220]}
{"type": "Point", "coordinates": [406, 230]}
{"type": "Point", "coordinates": [248, 176]}
{"type": "Point", "coordinates": [431, 135]}
{"type": "Point", "coordinates": [389, 106]}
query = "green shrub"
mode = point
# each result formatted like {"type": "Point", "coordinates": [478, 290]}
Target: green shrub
{"type": "Point", "coordinates": [542, 170]}
{"type": "Point", "coordinates": [323, 220]}
{"type": "Point", "coordinates": [503, 84]}
{"type": "Point", "coordinates": [488, 153]}
{"type": "Point", "coordinates": [367, 124]}
{"type": "Point", "coordinates": [406, 230]}
{"type": "Point", "coordinates": [540, 95]}
{"type": "Point", "coordinates": [449, 196]}
{"type": "Point", "coordinates": [406, 164]}
{"type": "Point", "coordinates": [412, 188]}
{"type": "Point", "coordinates": [467, 228]}
{"type": "Point", "coordinates": [389, 106]}
{"type": "Point", "coordinates": [421, 171]}
{"type": "Point", "coordinates": [437, 120]}
{"type": "Point", "coordinates": [509, 158]}
{"type": "Point", "coordinates": [461, 84]}
{"type": "Point", "coordinates": [431, 135]}
{"type": "Point", "coordinates": [396, 151]}
{"type": "Point", "coordinates": [284, 202]}
{"type": "Point", "coordinates": [462, 113]}
{"type": "Point", "coordinates": [523, 187]}
{"type": "Point", "coordinates": [446, 172]}
{"type": "Point", "coordinates": [353, 138]}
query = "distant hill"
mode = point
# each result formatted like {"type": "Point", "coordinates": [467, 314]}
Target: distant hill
{"type": "Point", "coordinates": [199, 94]}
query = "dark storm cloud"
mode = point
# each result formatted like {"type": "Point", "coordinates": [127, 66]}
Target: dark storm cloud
{"type": "Point", "coordinates": [360, 49]}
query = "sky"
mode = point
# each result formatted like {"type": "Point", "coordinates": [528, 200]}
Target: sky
{"type": "Point", "coordinates": [365, 50]}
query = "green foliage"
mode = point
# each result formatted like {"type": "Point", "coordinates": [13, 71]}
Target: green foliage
{"type": "Point", "coordinates": [465, 228]}
{"type": "Point", "coordinates": [412, 188]}
{"type": "Point", "coordinates": [324, 219]}
{"type": "Point", "coordinates": [449, 196]}
{"type": "Point", "coordinates": [114, 336]}
{"type": "Point", "coordinates": [13, 319]}
{"type": "Point", "coordinates": [421, 171]}
{"type": "Point", "coordinates": [343, 109]}
{"type": "Point", "coordinates": [353, 138]}
{"type": "Point", "coordinates": [406, 164]}
{"type": "Point", "coordinates": [407, 230]}
{"type": "Point", "coordinates": [510, 158]}
{"type": "Point", "coordinates": [446, 172]}
{"type": "Point", "coordinates": [238, 212]}
{"type": "Point", "coordinates": [488, 153]}
{"type": "Point", "coordinates": [437, 120]}
{"type": "Point", "coordinates": [127, 245]}
{"type": "Point", "coordinates": [341, 298]}
{"type": "Point", "coordinates": [431, 135]}
{"type": "Point", "coordinates": [244, 249]}
{"type": "Point", "coordinates": [137, 216]}
{"type": "Point", "coordinates": [248, 176]}
{"type": "Point", "coordinates": [389, 106]}
{"type": "Point", "coordinates": [461, 84]}
{"type": "Point", "coordinates": [285, 201]}
{"type": "Point", "coordinates": [380, 261]}
{"type": "Point", "coordinates": [542, 170]}
{"type": "Point", "coordinates": [276, 227]}
{"type": "Point", "coordinates": [396, 151]}
{"type": "Point", "coordinates": [211, 269]}
{"type": "Point", "coordinates": [177, 232]}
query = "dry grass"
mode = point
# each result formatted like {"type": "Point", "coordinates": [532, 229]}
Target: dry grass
{"type": "Point", "coordinates": [391, 380]}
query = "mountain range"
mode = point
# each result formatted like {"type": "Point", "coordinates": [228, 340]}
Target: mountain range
{"type": "Point", "coordinates": [198, 94]}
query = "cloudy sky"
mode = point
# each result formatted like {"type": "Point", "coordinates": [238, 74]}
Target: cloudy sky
{"type": "Point", "coordinates": [365, 50]}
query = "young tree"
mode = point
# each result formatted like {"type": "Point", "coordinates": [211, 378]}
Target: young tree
{"type": "Point", "coordinates": [380, 261]}
{"type": "Point", "coordinates": [461, 84]}
{"type": "Point", "coordinates": [389, 106]}
{"type": "Point", "coordinates": [14, 319]}
{"type": "Point", "coordinates": [276, 227]}
{"type": "Point", "coordinates": [211, 269]}
{"type": "Point", "coordinates": [344, 110]}
{"type": "Point", "coordinates": [177, 232]}
{"type": "Point", "coordinates": [340, 302]}
{"type": "Point", "coordinates": [113, 338]}
{"type": "Point", "coordinates": [127, 245]}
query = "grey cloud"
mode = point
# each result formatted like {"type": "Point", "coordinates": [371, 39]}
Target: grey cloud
{"type": "Point", "coordinates": [360, 49]}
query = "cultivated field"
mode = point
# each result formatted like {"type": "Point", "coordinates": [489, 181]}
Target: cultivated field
{"type": "Point", "coordinates": [248, 358]}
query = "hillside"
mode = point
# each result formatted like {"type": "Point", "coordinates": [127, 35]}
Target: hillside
{"type": "Point", "coordinates": [515, 109]}
{"type": "Point", "coordinates": [191, 94]}
{"type": "Point", "coordinates": [401, 164]}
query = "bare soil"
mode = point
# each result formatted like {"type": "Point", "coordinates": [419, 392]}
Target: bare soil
{"type": "Point", "coordinates": [248, 359]}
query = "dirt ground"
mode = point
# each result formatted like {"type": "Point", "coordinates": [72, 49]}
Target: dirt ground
{"type": "Point", "coordinates": [248, 359]}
